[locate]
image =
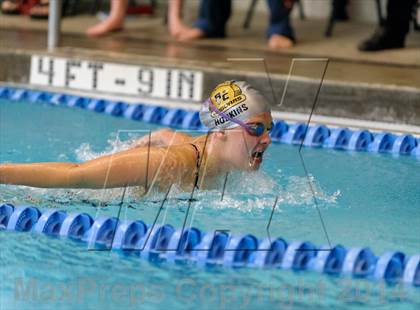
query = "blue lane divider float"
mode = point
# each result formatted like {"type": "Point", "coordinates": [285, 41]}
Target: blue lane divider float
{"type": "Point", "coordinates": [390, 266]}
{"type": "Point", "coordinates": [382, 143]}
{"type": "Point", "coordinates": [6, 211]}
{"type": "Point", "coordinates": [211, 249]}
{"type": "Point", "coordinates": [239, 251]}
{"type": "Point", "coordinates": [101, 233]}
{"type": "Point", "coordinates": [76, 102]}
{"type": "Point", "coordinates": [50, 222]}
{"type": "Point", "coordinates": [270, 253]}
{"type": "Point", "coordinates": [182, 243]}
{"type": "Point", "coordinates": [155, 242]}
{"type": "Point", "coordinates": [97, 105]}
{"type": "Point", "coordinates": [191, 120]}
{"type": "Point", "coordinates": [164, 243]}
{"type": "Point", "coordinates": [360, 140]}
{"type": "Point", "coordinates": [311, 136]}
{"type": "Point", "coordinates": [298, 255]}
{"type": "Point", "coordinates": [359, 262]}
{"type": "Point", "coordinates": [23, 218]}
{"type": "Point", "coordinates": [76, 225]}
{"type": "Point", "coordinates": [294, 134]}
{"type": "Point", "coordinates": [412, 270]}
{"type": "Point", "coordinates": [115, 108]}
{"type": "Point", "coordinates": [338, 139]}
{"type": "Point", "coordinates": [328, 260]}
{"type": "Point", "coordinates": [316, 136]}
{"type": "Point", "coordinates": [128, 234]}
{"type": "Point", "coordinates": [134, 112]}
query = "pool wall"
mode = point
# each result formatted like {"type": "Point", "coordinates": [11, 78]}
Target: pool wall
{"type": "Point", "coordinates": [65, 71]}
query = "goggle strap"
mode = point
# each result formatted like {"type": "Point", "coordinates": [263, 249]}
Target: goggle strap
{"type": "Point", "coordinates": [236, 121]}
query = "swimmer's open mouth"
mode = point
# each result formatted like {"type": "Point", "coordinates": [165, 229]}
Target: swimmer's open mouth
{"type": "Point", "coordinates": [257, 154]}
{"type": "Point", "coordinates": [256, 157]}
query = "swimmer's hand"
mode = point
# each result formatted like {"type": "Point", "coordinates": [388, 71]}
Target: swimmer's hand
{"type": "Point", "coordinates": [163, 137]}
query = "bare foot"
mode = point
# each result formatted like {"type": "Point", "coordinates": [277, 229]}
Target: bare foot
{"type": "Point", "coordinates": [10, 7]}
{"type": "Point", "coordinates": [189, 34]}
{"type": "Point", "coordinates": [176, 27]}
{"type": "Point", "coordinates": [277, 41]}
{"type": "Point", "coordinates": [105, 27]}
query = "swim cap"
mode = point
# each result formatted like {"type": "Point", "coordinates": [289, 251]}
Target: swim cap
{"type": "Point", "coordinates": [232, 101]}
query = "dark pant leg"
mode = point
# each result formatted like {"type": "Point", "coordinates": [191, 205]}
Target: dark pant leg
{"type": "Point", "coordinates": [279, 19]}
{"type": "Point", "coordinates": [398, 17]}
{"type": "Point", "coordinates": [340, 9]}
{"type": "Point", "coordinates": [213, 16]}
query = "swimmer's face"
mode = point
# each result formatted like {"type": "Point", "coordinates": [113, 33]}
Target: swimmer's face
{"type": "Point", "coordinates": [245, 151]}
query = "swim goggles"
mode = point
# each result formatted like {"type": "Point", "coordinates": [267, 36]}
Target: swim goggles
{"type": "Point", "coordinates": [258, 129]}
{"type": "Point", "coordinates": [254, 129]}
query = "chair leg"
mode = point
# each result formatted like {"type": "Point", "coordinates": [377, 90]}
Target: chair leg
{"type": "Point", "coordinates": [249, 14]}
{"type": "Point", "coordinates": [331, 22]}
{"type": "Point", "coordinates": [301, 11]}
{"type": "Point", "coordinates": [65, 8]}
{"type": "Point", "coordinates": [381, 19]}
{"type": "Point", "coordinates": [95, 6]}
{"type": "Point", "coordinates": [416, 12]}
{"type": "Point", "coordinates": [330, 27]}
{"type": "Point", "coordinates": [165, 16]}
{"type": "Point", "coordinates": [69, 7]}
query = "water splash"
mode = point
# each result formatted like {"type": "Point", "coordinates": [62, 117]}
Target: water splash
{"type": "Point", "coordinates": [298, 191]}
{"type": "Point", "coordinates": [85, 152]}
{"type": "Point", "coordinates": [257, 191]}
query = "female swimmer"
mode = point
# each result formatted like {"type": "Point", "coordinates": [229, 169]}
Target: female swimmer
{"type": "Point", "coordinates": [239, 120]}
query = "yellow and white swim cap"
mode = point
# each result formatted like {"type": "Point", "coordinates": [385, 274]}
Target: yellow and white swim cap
{"type": "Point", "coordinates": [231, 103]}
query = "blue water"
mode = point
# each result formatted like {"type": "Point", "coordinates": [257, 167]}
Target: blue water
{"type": "Point", "coordinates": [365, 200]}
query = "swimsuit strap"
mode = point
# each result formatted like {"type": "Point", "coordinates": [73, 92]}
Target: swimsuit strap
{"type": "Point", "coordinates": [197, 164]}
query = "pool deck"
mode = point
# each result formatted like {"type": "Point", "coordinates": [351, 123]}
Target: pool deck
{"type": "Point", "coordinates": [380, 87]}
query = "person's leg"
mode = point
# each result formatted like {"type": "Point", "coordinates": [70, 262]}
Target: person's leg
{"type": "Point", "coordinates": [212, 20]}
{"type": "Point", "coordinates": [280, 33]}
{"type": "Point", "coordinates": [114, 22]}
{"type": "Point", "coordinates": [397, 22]}
{"type": "Point", "coordinates": [393, 33]}
{"type": "Point", "coordinates": [40, 10]}
{"type": "Point", "coordinates": [175, 24]}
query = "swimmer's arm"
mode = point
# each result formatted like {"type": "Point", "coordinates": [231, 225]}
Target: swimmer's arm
{"type": "Point", "coordinates": [126, 168]}
{"type": "Point", "coordinates": [46, 175]}
{"type": "Point", "coordinates": [164, 137]}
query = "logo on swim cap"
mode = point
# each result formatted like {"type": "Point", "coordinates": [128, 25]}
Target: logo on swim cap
{"type": "Point", "coordinates": [230, 103]}
{"type": "Point", "coordinates": [225, 96]}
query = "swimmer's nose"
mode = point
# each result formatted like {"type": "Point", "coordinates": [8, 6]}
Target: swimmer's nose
{"type": "Point", "coordinates": [266, 139]}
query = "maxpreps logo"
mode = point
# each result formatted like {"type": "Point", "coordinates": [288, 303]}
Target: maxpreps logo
{"type": "Point", "coordinates": [226, 96]}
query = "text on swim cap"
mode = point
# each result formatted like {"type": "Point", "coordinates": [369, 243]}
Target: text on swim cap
{"type": "Point", "coordinates": [232, 114]}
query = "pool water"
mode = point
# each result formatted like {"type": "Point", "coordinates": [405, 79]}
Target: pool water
{"type": "Point", "coordinates": [365, 200]}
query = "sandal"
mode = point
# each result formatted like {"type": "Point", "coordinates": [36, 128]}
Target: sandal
{"type": "Point", "coordinates": [11, 7]}
{"type": "Point", "coordinates": [41, 10]}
